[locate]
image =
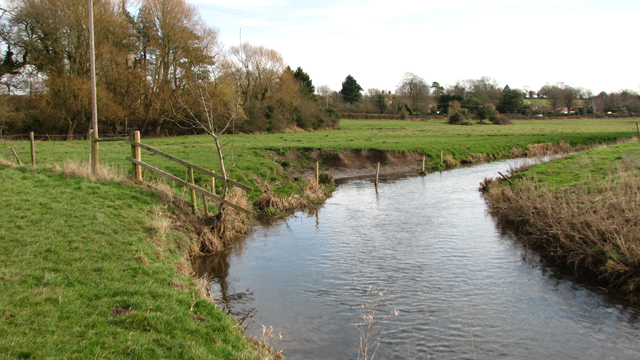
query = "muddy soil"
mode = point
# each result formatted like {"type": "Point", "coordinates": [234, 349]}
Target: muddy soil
{"type": "Point", "coordinates": [352, 163]}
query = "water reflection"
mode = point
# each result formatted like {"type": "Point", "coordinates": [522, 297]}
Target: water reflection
{"type": "Point", "coordinates": [449, 269]}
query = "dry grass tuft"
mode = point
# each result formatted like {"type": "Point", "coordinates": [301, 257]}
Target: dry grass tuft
{"type": "Point", "coordinates": [72, 168]}
{"type": "Point", "coordinates": [515, 153]}
{"type": "Point", "coordinates": [269, 202]}
{"type": "Point", "coordinates": [142, 258]}
{"type": "Point", "coordinates": [5, 162]}
{"type": "Point", "coordinates": [183, 266]}
{"type": "Point", "coordinates": [593, 228]}
{"type": "Point", "coordinates": [538, 150]}
{"type": "Point", "coordinates": [448, 161]}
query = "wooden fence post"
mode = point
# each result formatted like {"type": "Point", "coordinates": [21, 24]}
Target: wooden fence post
{"type": "Point", "coordinates": [424, 159]}
{"type": "Point", "coordinates": [213, 184]}
{"type": "Point", "coordinates": [317, 172]}
{"type": "Point", "coordinates": [94, 151]}
{"type": "Point", "coordinates": [638, 127]}
{"type": "Point", "coordinates": [194, 199]}
{"type": "Point", "coordinates": [377, 173]}
{"type": "Point", "coordinates": [33, 150]}
{"type": "Point", "coordinates": [16, 155]}
{"type": "Point", "coordinates": [136, 154]}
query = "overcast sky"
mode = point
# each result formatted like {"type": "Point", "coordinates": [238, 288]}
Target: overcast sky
{"type": "Point", "coordinates": [584, 43]}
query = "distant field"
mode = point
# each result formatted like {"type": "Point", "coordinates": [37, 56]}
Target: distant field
{"type": "Point", "coordinates": [428, 137]}
{"type": "Point", "coordinates": [546, 103]}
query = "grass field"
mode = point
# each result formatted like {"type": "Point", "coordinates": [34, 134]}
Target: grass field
{"type": "Point", "coordinates": [589, 167]}
{"type": "Point", "coordinates": [425, 137]}
{"type": "Point", "coordinates": [88, 270]}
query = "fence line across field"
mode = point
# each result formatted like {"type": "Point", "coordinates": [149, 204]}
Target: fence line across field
{"type": "Point", "coordinates": [134, 141]}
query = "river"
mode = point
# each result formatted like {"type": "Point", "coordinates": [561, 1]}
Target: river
{"type": "Point", "coordinates": [454, 282]}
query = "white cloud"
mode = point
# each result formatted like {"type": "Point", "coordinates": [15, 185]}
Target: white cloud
{"type": "Point", "coordinates": [376, 45]}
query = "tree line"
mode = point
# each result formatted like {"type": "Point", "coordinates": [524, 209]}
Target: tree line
{"type": "Point", "coordinates": [476, 98]}
{"type": "Point", "coordinates": [153, 62]}
{"type": "Point", "coordinates": [156, 62]}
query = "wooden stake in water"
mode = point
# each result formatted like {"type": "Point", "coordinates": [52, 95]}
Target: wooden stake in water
{"type": "Point", "coordinates": [317, 172]}
{"type": "Point", "coordinates": [424, 159]}
{"type": "Point", "coordinates": [16, 155]}
{"type": "Point", "coordinates": [377, 174]}
{"type": "Point", "coordinates": [33, 150]}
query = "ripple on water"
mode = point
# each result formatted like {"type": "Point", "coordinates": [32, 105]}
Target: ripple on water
{"type": "Point", "coordinates": [447, 268]}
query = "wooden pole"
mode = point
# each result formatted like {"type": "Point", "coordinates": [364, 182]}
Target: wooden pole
{"type": "Point", "coordinates": [205, 205]}
{"type": "Point", "coordinates": [16, 155]}
{"type": "Point", "coordinates": [424, 159]}
{"type": "Point", "coordinates": [136, 154]}
{"type": "Point", "coordinates": [377, 173]}
{"type": "Point", "coordinates": [317, 172]}
{"type": "Point", "coordinates": [33, 150]}
{"type": "Point", "coordinates": [213, 184]}
{"type": "Point", "coordinates": [638, 127]}
{"type": "Point", "coordinates": [94, 103]}
{"type": "Point", "coordinates": [194, 199]}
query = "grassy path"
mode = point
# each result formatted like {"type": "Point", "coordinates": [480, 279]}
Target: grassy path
{"type": "Point", "coordinates": [85, 272]}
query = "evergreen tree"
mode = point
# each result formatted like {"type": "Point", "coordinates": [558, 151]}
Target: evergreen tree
{"type": "Point", "coordinates": [303, 79]}
{"type": "Point", "coordinates": [351, 90]}
{"type": "Point", "coordinates": [511, 101]}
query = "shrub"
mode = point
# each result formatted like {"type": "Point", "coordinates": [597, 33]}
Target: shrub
{"type": "Point", "coordinates": [455, 118]}
{"type": "Point", "coordinates": [326, 178]}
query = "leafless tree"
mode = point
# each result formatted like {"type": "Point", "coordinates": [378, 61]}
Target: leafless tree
{"type": "Point", "coordinates": [211, 103]}
{"type": "Point", "coordinates": [415, 91]}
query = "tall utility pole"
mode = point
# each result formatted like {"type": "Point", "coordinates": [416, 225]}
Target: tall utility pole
{"type": "Point", "coordinates": [94, 103]}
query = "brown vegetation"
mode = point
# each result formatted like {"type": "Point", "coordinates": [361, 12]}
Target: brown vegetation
{"type": "Point", "coordinates": [593, 228]}
{"type": "Point", "coordinates": [271, 203]}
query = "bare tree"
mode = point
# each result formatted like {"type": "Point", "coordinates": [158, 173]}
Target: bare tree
{"type": "Point", "coordinates": [211, 103]}
{"type": "Point", "coordinates": [569, 96]}
{"type": "Point", "coordinates": [324, 92]}
{"type": "Point", "coordinates": [415, 91]}
{"type": "Point", "coordinates": [257, 71]}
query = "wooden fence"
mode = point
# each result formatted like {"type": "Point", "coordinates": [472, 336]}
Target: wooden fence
{"type": "Point", "coordinates": [137, 166]}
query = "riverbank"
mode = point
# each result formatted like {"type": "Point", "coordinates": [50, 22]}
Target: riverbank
{"type": "Point", "coordinates": [94, 269]}
{"type": "Point", "coordinates": [581, 211]}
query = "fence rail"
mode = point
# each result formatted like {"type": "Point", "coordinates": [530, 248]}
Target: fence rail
{"type": "Point", "coordinates": [134, 141]}
{"type": "Point", "coordinates": [190, 165]}
{"type": "Point", "coordinates": [190, 186]}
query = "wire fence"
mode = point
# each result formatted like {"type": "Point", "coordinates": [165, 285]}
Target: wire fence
{"type": "Point", "coordinates": [56, 149]}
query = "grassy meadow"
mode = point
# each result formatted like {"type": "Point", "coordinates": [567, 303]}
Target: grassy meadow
{"type": "Point", "coordinates": [247, 152]}
{"type": "Point", "coordinates": [93, 270]}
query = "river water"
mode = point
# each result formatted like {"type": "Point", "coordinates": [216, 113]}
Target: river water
{"type": "Point", "coordinates": [453, 280]}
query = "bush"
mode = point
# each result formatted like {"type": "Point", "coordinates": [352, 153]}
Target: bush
{"type": "Point", "coordinates": [326, 178]}
{"type": "Point", "coordinates": [455, 118]}
{"type": "Point", "coordinates": [499, 120]}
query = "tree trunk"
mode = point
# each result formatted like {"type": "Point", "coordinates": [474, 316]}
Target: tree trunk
{"type": "Point", "coordinates": [72, 126]}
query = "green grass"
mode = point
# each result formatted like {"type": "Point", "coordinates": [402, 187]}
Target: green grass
{"type": "Point", "coordinates": [428, 137]}
{"type": "Point", "coordinates": [584, 167]}
{"type": "Point", "coordinates": [72, 250]}
{"type": "Point", "coordinates": [546, 103]}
